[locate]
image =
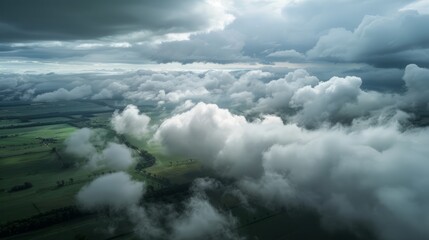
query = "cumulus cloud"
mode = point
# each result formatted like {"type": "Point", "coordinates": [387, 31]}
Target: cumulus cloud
{"type": "Point", "coordinates": [279, 92]}
{"type": "Point", "coordinates": [114, 156]}
{"type": "Point", "coordinates": [116, 191]}
{"type": "Point", "coordinates": [417, 83]}
{"type": "Point", "coordinates": [64, 94]}
{"type": "Point", "coordinates": [92, 146]}
{"type": "Point", "coordinates": [79, 143]}
{"type": "Point", "coordinates": [290, 94]}
{"type": "Point", "coordinates": [217, 138]}
{"type": "Point", "coordinates": [198, 219]}
{"type": "Point", "coordinates": [130, 122]}
{"type": "Point", "coordinates": [379, 40]}
{"type": "Point", "coordinates": [368, 172]}
{"type": "Point", "coordinates": [114, 89]}
{"type": "Point", "coordinates": [326, 99]}
{"type": "Point", "coordinates": [201, 220]}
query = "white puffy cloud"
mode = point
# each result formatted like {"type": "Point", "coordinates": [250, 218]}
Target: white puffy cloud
{"type": "Point", "coordinates": [130, 122]}
{"type": "Point", "coordinates": [199, 218]}
{"type": "Point", "coordinates": [63, 94]}
{"type": "Point", "coordinates": [113, 156]}
{"type": "Point", "coordinates": [279, 92]}
{"type": "Point", "coordinates": [92, 146]}
{"type": "Point", "coordinates": [325, 99]}
{"type": "Point", "coordinates": [116, 191]}
{"type": "Point", "coordinates": [371, 172]}
{"type": "Point", "coordinates": [417, 83]}
{"type": "Point", "coordinates": [217, 137]}
{"type": "Point", "coordinates": [79, 143]}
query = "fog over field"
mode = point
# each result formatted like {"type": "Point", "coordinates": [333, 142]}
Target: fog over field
{"type": "Point", "coordinates": [296, 104]}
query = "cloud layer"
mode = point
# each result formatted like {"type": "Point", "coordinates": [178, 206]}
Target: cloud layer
{"type": "Point", "coordinates": [365, 172]}
{"type": "Point", "coordinates": [29, 21]}
{"type": "Point", "coordinates": [383, 33]}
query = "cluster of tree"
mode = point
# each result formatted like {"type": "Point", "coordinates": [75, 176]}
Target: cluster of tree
{"type": "Point", "coordinates": [8, 136]}
{"type": "Point", "coordinates": [146, 160]}
{"type": "Point", "coordinates": [168, 192]}
{"type": "Point", "coordinates": [21, 187]}
{"type": "Point", "coordinates": [62, 183]}
{"type": "Point", "coordinates": [41, 220]}
{"type": "Point", "coordinates": [183, 162]}
{"type": "Point", "coordinates": [97, 174]}
{"type": "Point", "coordinates": [154, 177]}
{"type": "Point", "coordinates": [47, 141]}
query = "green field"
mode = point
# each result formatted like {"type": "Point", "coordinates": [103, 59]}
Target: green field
{"type": "Point", "coordinates": [24, 157]}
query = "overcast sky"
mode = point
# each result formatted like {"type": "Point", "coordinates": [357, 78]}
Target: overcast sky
{"type": "Point", "coordinates": [382, 33]}
{"type": "Point", "coordinates": [322, 102]}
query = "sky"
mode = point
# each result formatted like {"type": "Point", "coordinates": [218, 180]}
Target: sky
{"type": "Point", "coordinates": [384, 34]}
{"type": "Point", "coordinates": [317, 103]}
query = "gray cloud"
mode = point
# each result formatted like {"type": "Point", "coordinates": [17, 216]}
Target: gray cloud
{"type": "Point", "coordinates": [65, 20]}
{"type": "Point", "coordinates": [379, 40]}
{"type": "Point", "coordinates": [370, 171]}
{"type": "Point", "coordinates": [202, 220]}
{"type": "Point", "coordinates": [199, 218]}
{"type": "Point", "coordinates": [60, 94]}
{"type": "Point", "coordinates": [142, 31]}
{"type": "Point", "coordinates": [116, 191]}
{"type": "Point", "coordinates": [92, 146]}
{"type": "Point", "coordinates": [416, 81]}
{"type": "Point", "coordinates": [295, 95]}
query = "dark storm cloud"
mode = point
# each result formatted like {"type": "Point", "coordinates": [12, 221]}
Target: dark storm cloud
{"type": "Point", "coordinates": [382, 33]}
{"type": "Point", "coordinates": [22, 20]}
{"type": "Point", "coordinates": [382, 41]}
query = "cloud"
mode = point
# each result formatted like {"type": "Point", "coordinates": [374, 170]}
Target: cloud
{"type": "Point", "coordinates": [359, 176]}
{"type": "Point", "coordinates": [91, 20]}
{"type": "Point", "coordinates": [279, 92]}
{"type": "Point", "coordinates": [254, 92]}
{"type": "Point", "coordinates": [370, 172]}
{"type": "Point", "coordinates": [216, 31]}
{"type": "Point", "coordinates": [79, 143]}
{"type": "Point", "coordinates": [130, 122]}
{"type": "Point", "coordinates": [116, 191]}
{"type": "Point", "coordinates": [201, 220]}
{"type": "Point", "coordinates": [325, 99]}
{"type": "Point", "coordinates": [218, 138]}
{"type": "Point", "coordinates": [114, 89]}
{"type": "Point", "coordinates": [379, 40]}
{"type": "Point", "coordinates": [291, 55]}
{"type": "Point", "coordinates": [416, 81]}
{"type": "Point", "coordinates": [113, 156]}
{"type": "Point", "coordinates": [62, 94]}
{"type": "Point", "coordinates": [92, 146]}
{"type": "Point", "coordinates": [185, 106]}
{"type": "Point", "coordinates": [197, 219]}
